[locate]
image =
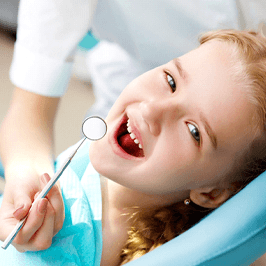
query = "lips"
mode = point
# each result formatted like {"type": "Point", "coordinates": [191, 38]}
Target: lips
{"type": "Point", "coordinates": [127, 140]}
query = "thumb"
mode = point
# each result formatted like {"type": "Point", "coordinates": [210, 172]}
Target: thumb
{"type": "Point", "coordinates": [22, 205]}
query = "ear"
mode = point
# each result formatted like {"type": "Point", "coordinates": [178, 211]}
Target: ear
{"type": "Point", "coordinates": [210, 197]}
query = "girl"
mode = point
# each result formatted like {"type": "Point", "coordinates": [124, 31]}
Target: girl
{"type": "Point", "coordinates": [181, 140]}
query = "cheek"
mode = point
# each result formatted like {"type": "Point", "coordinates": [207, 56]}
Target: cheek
{"type": "Point", "coordinates": [175, 153]}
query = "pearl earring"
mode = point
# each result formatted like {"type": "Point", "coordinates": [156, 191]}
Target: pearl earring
{"type": "Point", "coordinates": [186, 201]}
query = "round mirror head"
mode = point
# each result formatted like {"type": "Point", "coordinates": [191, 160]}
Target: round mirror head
{"type": "Point", "coordinates": [94, 128]}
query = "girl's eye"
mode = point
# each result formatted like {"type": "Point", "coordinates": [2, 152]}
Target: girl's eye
{"type": "Point", "coordinates": [194, 132]}
{"type": "Point", "coordinates": [171, 82]}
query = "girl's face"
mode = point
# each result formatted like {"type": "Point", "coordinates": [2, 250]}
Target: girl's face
{"type": "Point", "coordinates": [190, 118]}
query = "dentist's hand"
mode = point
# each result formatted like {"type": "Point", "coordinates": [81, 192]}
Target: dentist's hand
{"type": "Point", "coordinates": [45, 218]}
{"type": "Point", "coordinates": [26, 150]}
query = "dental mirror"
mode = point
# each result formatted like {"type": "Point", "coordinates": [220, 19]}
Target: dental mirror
{"type": "Point", "coordinates": [94, 128]}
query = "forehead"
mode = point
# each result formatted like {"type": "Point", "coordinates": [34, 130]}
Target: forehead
{"type": "Point", "coordinates": [213, 91]}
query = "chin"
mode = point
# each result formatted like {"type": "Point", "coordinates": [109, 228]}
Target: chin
{"type": "Point", "coordinates": [94, 155]}
{"type": "Point", "coordinates": [98, 159]}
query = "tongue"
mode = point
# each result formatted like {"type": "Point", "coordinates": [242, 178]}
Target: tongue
{"type": "Point", "coordinates": [130, 146]}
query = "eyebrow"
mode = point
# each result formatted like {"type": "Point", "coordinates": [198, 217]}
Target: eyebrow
{"type": "Point", "coordinates": [209, 131]}
{"type": "Point", "coordinates": [180, 69]}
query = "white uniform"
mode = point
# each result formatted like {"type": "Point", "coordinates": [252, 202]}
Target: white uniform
{"type": "Point", "coordinates": [150, 32]}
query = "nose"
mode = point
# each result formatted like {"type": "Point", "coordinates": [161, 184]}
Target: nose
{"type": "Point", "coordinates": [157, 113]}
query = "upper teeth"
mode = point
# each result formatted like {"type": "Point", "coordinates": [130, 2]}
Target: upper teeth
{"type": "Point", "coordinates": [132, 135]}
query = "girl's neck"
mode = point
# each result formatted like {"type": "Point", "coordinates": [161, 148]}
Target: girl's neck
{"type": "Point", "coordinates": [119, 203]}
{"type": "Point", "coordinates": [121, 197]}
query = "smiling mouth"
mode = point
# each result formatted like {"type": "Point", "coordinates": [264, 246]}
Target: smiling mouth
{"type": "Point", "coordinates": [128, 141]}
